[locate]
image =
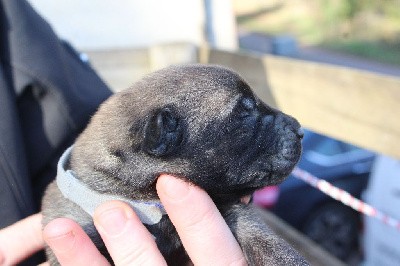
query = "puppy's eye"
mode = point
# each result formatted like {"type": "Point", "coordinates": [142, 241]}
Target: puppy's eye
{"type": "Point", "coordinates": [248, 104]}
{"type": "Point", "coordinates": [247, 108]}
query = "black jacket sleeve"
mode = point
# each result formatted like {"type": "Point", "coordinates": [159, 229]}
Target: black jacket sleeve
{"type": "Point", "coordinates": [47, 95]}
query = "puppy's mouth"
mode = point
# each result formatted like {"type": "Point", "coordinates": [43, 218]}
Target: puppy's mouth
{"type": "Point", "coordinates": [243, 196]}
{"type": "Point", "coordinates": [280, 163]}
{"type": "Point", "coordinates": [246, 199]}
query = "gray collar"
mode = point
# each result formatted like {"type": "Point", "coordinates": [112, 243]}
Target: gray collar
{"type": "Point", "coordinates": [88, 199]}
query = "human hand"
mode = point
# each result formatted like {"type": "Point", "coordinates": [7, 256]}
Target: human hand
{"type": "Point", "coordinates": [204, 233]}
{"type": "Point", "coordinates": [20, 240]}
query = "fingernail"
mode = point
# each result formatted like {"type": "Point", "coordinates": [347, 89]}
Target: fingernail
{"type": "Point", "coordinates": [173, 187]}
{"type": "Point", "coordinates": [62, 241]}
{"type": "Point", "coordinates": [113, 221]}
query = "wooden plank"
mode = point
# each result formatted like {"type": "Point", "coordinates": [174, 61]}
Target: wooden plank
{"type": "Point", "coordinates": [359, 107]}
{"type": "Point", "coordinates": [164, 55]}
{"type": "Point", "coordinates": [120, 68]}
{"type": "Point", "coordinates": [249, 66]}
{"type": "Point", "coordinates": [355, 106]}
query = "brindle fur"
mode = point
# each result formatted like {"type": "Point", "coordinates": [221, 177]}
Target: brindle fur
{"type": "Point", "coordinates": [201, 123]}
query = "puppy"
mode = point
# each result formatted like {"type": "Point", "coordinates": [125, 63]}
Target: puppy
{"type": "Point", "coordinates": [198, 122]}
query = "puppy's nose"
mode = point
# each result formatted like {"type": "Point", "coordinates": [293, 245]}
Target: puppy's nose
{"type": "Point", "coordinates": [291, 123]}
{"type": "Point", "coordinates": [300, 133]}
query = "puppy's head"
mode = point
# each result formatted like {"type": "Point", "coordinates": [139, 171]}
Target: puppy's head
{"type": "Point", "coordinates": [199, 122]}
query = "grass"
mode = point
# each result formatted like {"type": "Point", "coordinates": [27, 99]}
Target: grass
{"type": "Point", "coordinates": [316, 24]}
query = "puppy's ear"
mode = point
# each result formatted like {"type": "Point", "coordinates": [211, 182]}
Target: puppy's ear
{"type": "Point", "coordinates": [163, 133]}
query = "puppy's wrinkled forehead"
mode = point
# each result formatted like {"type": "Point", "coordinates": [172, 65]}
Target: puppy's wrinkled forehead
{"type": "Point", "coordinates": [196, 88]}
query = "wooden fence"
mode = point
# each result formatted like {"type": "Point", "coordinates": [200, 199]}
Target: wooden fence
{"type": "Point", "coordinates": [355, 106]}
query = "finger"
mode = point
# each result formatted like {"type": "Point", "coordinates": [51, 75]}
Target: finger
{"type": "Point", "coordinates": [203, 231]}
{"type": "Point", "coordinates": [126, 238]}
{"type": "Point", "coordinates": [70, 244]}
{"type": "Point", "coordinates": [20, 240]}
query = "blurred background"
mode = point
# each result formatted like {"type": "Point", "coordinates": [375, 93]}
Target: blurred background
{"type": "Point", "coordinates": [366, 28]}
{"type": "Point", "coordinates": [354, 34]}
